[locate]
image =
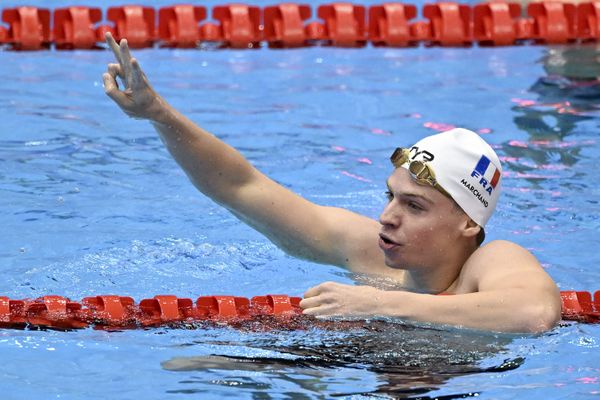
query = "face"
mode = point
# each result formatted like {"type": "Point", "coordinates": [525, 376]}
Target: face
{"type": "Point", "coordinates": [419, 225]}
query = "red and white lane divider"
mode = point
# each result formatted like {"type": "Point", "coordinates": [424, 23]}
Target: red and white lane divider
{"type": "Point", "coordinates": [494, 23]}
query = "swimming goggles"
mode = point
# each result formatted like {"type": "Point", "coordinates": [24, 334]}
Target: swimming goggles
{"type": "Point", "coordinates": [421, 172]}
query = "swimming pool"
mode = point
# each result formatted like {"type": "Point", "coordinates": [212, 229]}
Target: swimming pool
{"type": "Point", "coordinates": [93, 204]}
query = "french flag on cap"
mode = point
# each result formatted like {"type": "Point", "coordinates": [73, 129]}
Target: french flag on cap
{"type": "Point", "coordinates": [488, 173]}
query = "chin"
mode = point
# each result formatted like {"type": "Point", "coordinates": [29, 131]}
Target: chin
{"type": "Point", "coordinates": [395, 263]}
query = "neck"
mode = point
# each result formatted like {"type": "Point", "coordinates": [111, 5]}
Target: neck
{"type": "Point", "coordinates": [439, 276]}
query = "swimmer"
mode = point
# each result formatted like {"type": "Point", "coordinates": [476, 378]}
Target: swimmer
{"type": "Point", "coordinates": [428, 238]}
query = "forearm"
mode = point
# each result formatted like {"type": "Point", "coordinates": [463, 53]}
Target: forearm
{"type": "Point", "coordinates": [213, 166]}
{"type": "Point", "coordinates": [501, 311]}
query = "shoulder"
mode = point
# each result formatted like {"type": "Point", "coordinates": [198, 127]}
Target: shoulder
{"type": "Point", "coordinates": [503, 252]}
{"type": "Point", "coordinates": [502, 263]}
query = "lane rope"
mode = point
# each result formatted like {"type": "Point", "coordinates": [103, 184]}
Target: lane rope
{"type": "Point", "coordinates": [270, 311]}
{"type": "Point", "coordinates": [289, 25]}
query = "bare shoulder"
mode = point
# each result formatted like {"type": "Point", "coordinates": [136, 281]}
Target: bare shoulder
{"type": "Point", "coordinates": [503, 251]}
{"type": "Point", "coordinates": [503, 264]}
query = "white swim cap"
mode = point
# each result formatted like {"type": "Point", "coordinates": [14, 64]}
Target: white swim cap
{"type": "Point", "coordinates": [466, 167]}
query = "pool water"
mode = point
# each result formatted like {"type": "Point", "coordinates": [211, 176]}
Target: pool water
{"type": "Point", "coordinates": [93, 204]}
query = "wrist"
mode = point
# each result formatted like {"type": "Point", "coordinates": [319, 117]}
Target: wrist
{"type": "Point", "coordinates": [395, 304]}
{"type": "Point", "coordinates": [161, 112]}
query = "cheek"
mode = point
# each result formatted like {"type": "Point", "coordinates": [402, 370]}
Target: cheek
{"type": "Point", "coordinates": [431, 233]}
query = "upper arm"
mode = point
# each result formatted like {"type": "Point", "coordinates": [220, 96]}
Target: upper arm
{"type": "Point", "coordinates": [304, 229]}
{"type": "Point", "coordinates": [502, 265]}
{"type": "Point", "coordinates": [510, 272]}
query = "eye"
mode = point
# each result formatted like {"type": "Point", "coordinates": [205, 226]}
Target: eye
{"type": "Point", "coordinates": [415, 206]}
{"type": "Point", "coordinates": [389, 195]}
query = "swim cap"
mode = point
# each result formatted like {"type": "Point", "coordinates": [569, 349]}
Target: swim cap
{"type": "Point", "coordinates": [466, 167]}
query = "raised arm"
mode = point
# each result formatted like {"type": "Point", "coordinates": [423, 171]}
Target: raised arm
{"type": "Point", "coordinates": [301, 228]}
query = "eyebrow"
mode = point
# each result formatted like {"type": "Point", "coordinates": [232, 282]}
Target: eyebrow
{"type": "Point", "coordinates": [408, 194]}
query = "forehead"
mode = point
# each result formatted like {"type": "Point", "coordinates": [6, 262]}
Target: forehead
{"type": "Point", "coordinates": [400, 182]}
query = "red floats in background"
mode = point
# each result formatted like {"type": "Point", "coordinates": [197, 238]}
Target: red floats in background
{"type": "Point", "coordinates": [449, 25]}
{"type": "Point", "coordinates": [388, 25]}
{"type": "Point", "coordinates": [496, 24]}
{"type": "Point", "coordinates": [239, 26]}
{"type": "Point", "coordinates": [29, 28]}
{"type": "Point", "coordinates": [135, 23]}
{"type": "Point", "coordinates": [284, 25]}
{"type": "Point", "coordinates": [178, 26]}
{"type": "Point", "coordinates": [553, 22]}
{"type": "Point", "coordinates": [74, 28]}
{"type": "Point", "coordinates": [344, 24]}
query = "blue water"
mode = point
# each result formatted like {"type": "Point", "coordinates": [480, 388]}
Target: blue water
{"type": "Point", "coordinates": [93, 204]}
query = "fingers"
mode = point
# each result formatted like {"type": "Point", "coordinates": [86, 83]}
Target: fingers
{"type": "Point", "coordinates": [318, 300]}
{"type": "Point", "coordinates": [112, 89]}
{"type": "Point", "coordinates": [113, 46]}
{"type": "Point", "coordinates": [115, 70]}
{"type": "Point", "coordinates": [123, 56]}
{"type": "Point", "coordinates": [320, 288]}
{"type": "Point", "coordinates": [312, 292]}
{"type": "Point", "coordinates": [137, 75]}
{"type": "Point", "coordinates": [313, 306]}
{"type": "Point", "coordinates": [310, 303]}
{"type": "Point", "coordinates": [317, 312]}
{"type": "Point", "coordinates": [126, 62]}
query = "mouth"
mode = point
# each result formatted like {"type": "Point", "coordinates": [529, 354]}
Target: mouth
{"type": "Point", "coordinates": [385, 243]}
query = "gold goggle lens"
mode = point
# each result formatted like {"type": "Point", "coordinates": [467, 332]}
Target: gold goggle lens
{"type": "Point", "coordinates": [419, 170]}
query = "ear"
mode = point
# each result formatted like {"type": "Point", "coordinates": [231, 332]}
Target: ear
{"type": "Point", "coordinates": [470, 228]}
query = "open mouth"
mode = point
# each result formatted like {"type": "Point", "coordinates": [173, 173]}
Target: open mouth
{"type": "Point", "coordinates": [385, 243]}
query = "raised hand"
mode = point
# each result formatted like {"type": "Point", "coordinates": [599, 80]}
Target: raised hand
{"type": "Point", "coordinates": [137, 99]}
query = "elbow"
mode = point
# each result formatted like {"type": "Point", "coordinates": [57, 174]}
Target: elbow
{"type": "Point", "coordinates": [540, 317]}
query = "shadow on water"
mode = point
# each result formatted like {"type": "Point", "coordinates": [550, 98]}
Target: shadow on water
{"type": "Point", "coordinates": [334, 359]}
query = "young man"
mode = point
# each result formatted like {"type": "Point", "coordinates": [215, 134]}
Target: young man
{"type": "Point", "coordinates": [441, 194]}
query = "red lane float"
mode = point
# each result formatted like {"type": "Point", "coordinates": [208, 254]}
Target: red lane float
{"type": "Point", "coordinates": [553, 22]}
{"type": "Point", "coordinates": [284, 25]}
{"type": "Point", "coordinates": [118, 312]}
{"type": "Point", "coordinates": [178, 26]}
{"type": "Point", "coordinates": [343, 24]}
{"type": "Point", "coordinates": [388, 25]}
{"type": "Point", "coordinates": [135, 23]}
{"type": "Point", "coordinates": [239, 25]}
{"type": "Point", "coordinates": [74, 28]}
{"type": "Point", "coordinates": [29, 28]}
{"type": "Point", "coordinates": [449, 24]}
{"type": "Point", "coordinates": [580, 306]}
{"type": "Point", "coordinates": [588, 21]}
{"type": "Point", "coordinates": [496, 24]}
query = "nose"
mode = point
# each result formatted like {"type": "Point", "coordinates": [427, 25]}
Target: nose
{"type": "Point", "coordinates": [390, 215]}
